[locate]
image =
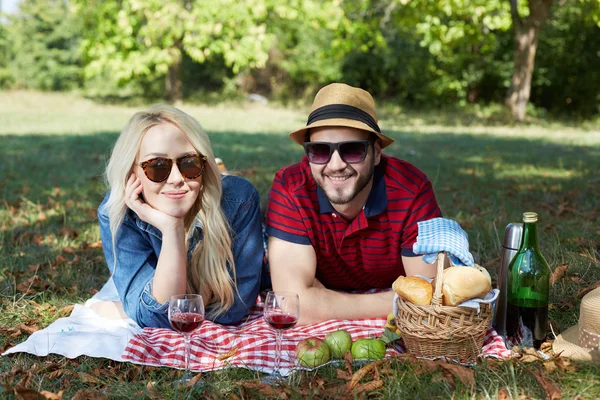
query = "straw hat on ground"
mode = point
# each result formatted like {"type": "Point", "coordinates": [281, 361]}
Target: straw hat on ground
{"type": "Point", "coordinates": [338, 104]}
{"type": "Point", "coordinates": [582, 341]}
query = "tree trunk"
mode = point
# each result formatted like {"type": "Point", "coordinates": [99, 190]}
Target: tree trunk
{"type": "Point", "coordinates": [526, 35]}
{"type": "Point", "coordinates": [173, 84]}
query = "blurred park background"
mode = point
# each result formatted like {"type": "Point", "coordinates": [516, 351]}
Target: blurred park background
{"type": "Point", "coordinates": [510, 59]}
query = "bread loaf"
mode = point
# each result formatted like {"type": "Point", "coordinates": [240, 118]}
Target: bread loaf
{"type": "Point", "coordinates": [463, 283]}
{"type": "Point", "coordinates": [414, 289]}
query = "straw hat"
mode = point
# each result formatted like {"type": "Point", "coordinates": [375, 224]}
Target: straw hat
{"type": "Point", "coordinates": [582, 341]}
{"type": "Point", "coordinates": [338, 104]}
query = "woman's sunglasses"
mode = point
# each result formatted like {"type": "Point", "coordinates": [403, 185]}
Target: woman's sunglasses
{"type": "Point", "coordinates": [158, 169]}
{"type": "Point", "coordinates": [351, 151]}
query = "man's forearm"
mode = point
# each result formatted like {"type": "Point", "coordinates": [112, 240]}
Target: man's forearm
{"type": "Point", "coordinates": [320, 304]}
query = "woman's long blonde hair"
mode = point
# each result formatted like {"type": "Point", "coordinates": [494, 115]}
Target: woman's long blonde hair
{"type": "Point", "coordinates": [211, 271]}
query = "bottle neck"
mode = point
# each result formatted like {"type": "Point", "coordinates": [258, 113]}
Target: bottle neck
{"type": "Point", "coordinates": [529, 235]}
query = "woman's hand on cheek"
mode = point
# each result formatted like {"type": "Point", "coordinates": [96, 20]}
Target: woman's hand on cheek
{"type": "Point", "coordinates": [156, 218]}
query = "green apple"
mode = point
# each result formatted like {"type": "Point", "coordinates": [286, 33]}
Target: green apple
{"type": "Point", "coordinates": [312, 352]}
{"type": "Point", "coordinates": [368, 349]}
{"type": "Point", "coordinates": [339, 343]}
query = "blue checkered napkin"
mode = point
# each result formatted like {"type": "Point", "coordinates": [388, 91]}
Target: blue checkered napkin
{"type": "Point", "coordinates": [441, 234]}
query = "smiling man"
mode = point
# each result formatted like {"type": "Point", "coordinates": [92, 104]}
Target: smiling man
{"type": "Point", "coordinates": [345, 217]}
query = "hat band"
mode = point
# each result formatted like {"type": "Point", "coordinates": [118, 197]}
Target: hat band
{"type": "Point", "coordinates": [343, 111]}
{"type": "Point", "coordinates": [588, 339]}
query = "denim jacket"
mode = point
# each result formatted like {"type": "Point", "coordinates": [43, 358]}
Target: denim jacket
{"type": "Point", "coordinates": [138, 246]}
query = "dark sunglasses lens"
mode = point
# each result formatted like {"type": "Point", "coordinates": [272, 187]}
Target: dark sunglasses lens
{"type": "Point", "coordinates": [318, 153]}
{"type": "Point", "coordinates": [158, 170]}
{"type": "Point", "coordinates": [353, 152]}
{"type": "Point", "coordinates": [191, 167]}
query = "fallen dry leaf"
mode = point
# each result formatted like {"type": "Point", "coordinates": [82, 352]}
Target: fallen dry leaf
{"type": "Point", "coordinates": [33, 285]}
{"type": "Point", "coordinates": [192, 382]}
{"type": "Point", "coordinates": [151, 391]}
{"type": "Point", "coordinates": [588, 289]}
{"type": "Point", "coordinates": [503, 395]}
{"type": "Point", "coordinates": [558, 273]}
{"type": "Point", "coordinates": [550, 366]}
{"type": "Point", "coordinates": [552, 391]}
{"type": "Point", "coordinates": [367, 387]}
{"type": "Point", "coordinates": [60, 259]}
{"type": "Point", "coordinates": [565, 364]}
{"type": "Point", "coordinates": [60, 372]}
{"type": "Point", "coordinates": [262, 388]}
{"type": "Point", "coordinates": [527, 358]}
{"type": "Point", "coordinates": [225, 356]}
{"type": "Point", "coordinates": [66, 310]}
{"type": "Point", "coordinates": [465, 375]}
{"type": "Point", "coordinates": [348, 361]}
{"type": "Point", "coordinates": [88, 394]}
{"type": "Point", "coordinates": [320, 382]}
{"type": "Point", "coordinates": [69, 232]}
{"type": "Point", "coordinates": [52, 396]}
{"type": "Point", "coordinates": [24, 393]}
{"type": "Point", "coordinates": [424, 366]}
{"type": "Point", "coordinates": [7, 345]}
{"type": "Point", "coordinates": [361, 373]}
{"type": "Point", "coordinates": [546, 347]}
{"type": "Point", "coordinates": [25, 328]}
{"type": "Point", "coordinates": [344, 375]}
{"type": "Point", "coordinates": [95, 245]}
{"type": "Point", "coordinates": [575, 278]}
{"type": "Point", "coordinates": [88, 378]}
{"type": "Point", "coordinates": [34, 267]}
{"type": "Point", "coordinates": [68, 249]}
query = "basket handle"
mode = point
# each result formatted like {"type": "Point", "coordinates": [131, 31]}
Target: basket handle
{"type": "Point", "coordinates": [437, 293]}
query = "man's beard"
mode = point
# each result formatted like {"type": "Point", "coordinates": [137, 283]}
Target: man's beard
{"type": "Point", "coordinates": [339, 197]}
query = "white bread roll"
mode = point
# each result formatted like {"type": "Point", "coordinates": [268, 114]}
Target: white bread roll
{"type": "Point", "coordinates": [463, 283]}
{"type": "Point", "coordinates": [414, 289]}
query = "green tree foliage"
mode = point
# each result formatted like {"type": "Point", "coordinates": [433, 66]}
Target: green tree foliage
{"type": "Point", "coordinates": [146, 40]}
{"type": "Point", "coordinates": [307, 50]}
{"type": "Point", "coordinates": [44, 37]}
{"type": "Point", "coordinates": [419, 52]}
{"type": "Point", "coordinates": [5, 57]}
{"type": "Point", "coordinates": [568, 74]}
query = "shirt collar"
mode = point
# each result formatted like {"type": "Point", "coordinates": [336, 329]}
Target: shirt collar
{"type": "Point", "coordinates": [377, 201]}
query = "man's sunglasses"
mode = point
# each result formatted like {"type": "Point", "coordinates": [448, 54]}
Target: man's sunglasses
{"type": "Point", "coordinates": [158, 169]}
{"type": "Point", "coordinates": [351, 151]}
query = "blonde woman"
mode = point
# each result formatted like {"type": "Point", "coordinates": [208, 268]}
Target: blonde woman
{"type": "Point", "coordinates": [171, 224]}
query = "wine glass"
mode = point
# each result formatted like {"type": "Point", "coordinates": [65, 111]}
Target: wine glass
{"type": "Point", "coordinates": [282, 310]}
{"type": "Point", "coordinates": [186, 314]}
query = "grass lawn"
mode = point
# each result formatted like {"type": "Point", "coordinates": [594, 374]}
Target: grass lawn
{"type": "Point", "coordinates": [485, 174]}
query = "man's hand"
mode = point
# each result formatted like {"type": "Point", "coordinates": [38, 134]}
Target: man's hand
{"type": "Point", "coordinates": [293, 268]}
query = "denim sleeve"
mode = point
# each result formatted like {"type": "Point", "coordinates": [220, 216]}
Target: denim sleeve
{"type": "Point", "coordinates": [248, 252]}
{"type": "Point", "coordinates": [133, 272]}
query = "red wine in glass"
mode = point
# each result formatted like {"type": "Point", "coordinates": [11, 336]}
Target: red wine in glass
{"type": "Point", "coordinates": [186, 314]}
{"type": "Point", "coordinates": [282, 310]}
{"type": "Point", "coordinates": [281, 321]}
{"type": "Point", "coordinates": [186, 322]}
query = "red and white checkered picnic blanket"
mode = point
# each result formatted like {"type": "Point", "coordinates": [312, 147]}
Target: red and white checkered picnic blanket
{"type": "Point", "coordinates": [252, 344]}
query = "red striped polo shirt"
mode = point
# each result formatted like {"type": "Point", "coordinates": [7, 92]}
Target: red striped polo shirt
{"type": "Point", "coordinates": [363, 253]}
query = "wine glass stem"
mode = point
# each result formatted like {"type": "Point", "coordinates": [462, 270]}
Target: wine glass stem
{"type": "Point", "coordinates": [187, 354]}
{"type": "Point", "coordinates": [278, 339]}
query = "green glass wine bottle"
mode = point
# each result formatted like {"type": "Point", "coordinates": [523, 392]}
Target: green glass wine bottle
{"type": "Point", "coordinates": [528, 289]}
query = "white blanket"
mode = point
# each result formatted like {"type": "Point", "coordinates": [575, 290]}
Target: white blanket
{"type": "Point", "coordinates": [84, 332]}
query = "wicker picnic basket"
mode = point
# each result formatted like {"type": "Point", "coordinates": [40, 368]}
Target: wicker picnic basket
{"type": "Point", "coordinates": [442, 331]}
